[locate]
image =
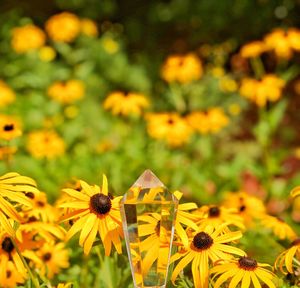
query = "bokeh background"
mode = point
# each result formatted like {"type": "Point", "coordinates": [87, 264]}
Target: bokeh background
{"type": "Point", "coordinates": [204, 93]}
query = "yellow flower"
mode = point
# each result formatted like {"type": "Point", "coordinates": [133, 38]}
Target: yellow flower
{"type": "Point", "coordinates": [280, 228]}
{"type": "Point", "coordinates": [295, 192]}
{"type": "Point", "coordinates": [123, 103]}
{"type": "Point", "coordinates": [206, 246]}
{"type": "Point", "coordinates": [9, 275]}
{"type": "Point", "coordinates": [234, 109]}
{"type": "Point", "coordinates": [278, 41]}
{"type": "Point", "coordinates": [170, 127]}
{"type": "Point", "coordinates": [63, 27]}
{"type": "Point", "coordinates": [110, 45]}
{"type": "Point", "coordinates": [13, 187]}
{"type": "Point", "coordinates": [53, 257]}
{"type": "Point", "coordinates": [293, 36]}
{"type": "Point", "coordinates": [27, 38]}
{"type": "Point", "coordinates": [211, 121]}
{"type": "Point", "coordinates": [228, 85]}
{"type": "Point", "coordinates": [9, 128]}
{"type": "Point", "coordinates": [45, 144]}
{"type": "Point", "coordinates": [259, 92]}
{"type": "Point", "coordinates": [67, 92]}
{"type": "Point", "coordinates": [285, 259]}
{"type": "Point", "coordinates": [183, 69]}
{"type": "Point", "coordinates": [215, 216]}
{"type": "Point", "coordinates": [64, 285]}
{"type": "Point", "coordinates": [47, 53]}
{"type": "Point", "coordinates": [245, 271]}
{"type": "Point", "coordinates": [88, 27]}
{"type": "Point", "coordinates": [7, 95]}
{"type": "Point", "coordinates": [253, 49]}
{"type": "Point", "coordinates": [96, 212]}
{"type": "Point", "coordinates": [248, 207]}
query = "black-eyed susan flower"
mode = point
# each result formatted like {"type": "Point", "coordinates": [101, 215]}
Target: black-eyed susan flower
{"type": "Point", "coordinates": [183, 69]}
{"type": "Point", "coordinates": [288, 259]}
{"type": "Point", "coordinates": [63, 27]}
{"type": "Point", "coordinates": [54, 257]}
{"type": "Point", "coordinates": [293, 35]}
{"type": "Point", "coordinates": [217, 215]}
{"type": "Point", "coordinates": [245, 271]}
{"type": "Point", "coordinates": [7, 95]}
{"type": "Point", "coordinates": [210, 121]}
{"type": "Point", "coordinates": [170, 127]}
{"type": "Point", "coordinates": [13, 187]}
{"type": "Point", "coordinates": [88, 27]}
{"type": "Point", "coordinates": [278, 41]}
{"type": "Point", "coordinates": [9, 128]}
{"type": "Point", "coordinates": [45, 144]}
{"type": "Point", "coordinates": [269, 88]}
{"type": "Point", "coordinates": [249, 207]}
{"type": "Point", "coordinates": [126, 103]}
{"type": "Point", "coordinates": [253, 49]}
{"type": "Point", "coordinates": [9, 275]}
{"type": "Point", "coordinates": [67, 92]}
{"type": "Point", "coordinates": [279, 227]}
{"type": "Point", "coordinates": [205, 247]}
{"type": "Point", "coordinates": [94, 211]}
{"type": "Point", "coordinates": [27, 38]}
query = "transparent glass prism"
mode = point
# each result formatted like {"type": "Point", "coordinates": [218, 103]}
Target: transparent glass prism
{"type": "Point", "coordinates": [148, 213]}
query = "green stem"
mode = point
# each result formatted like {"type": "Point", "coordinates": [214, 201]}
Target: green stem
{"type": "Point", "coordinates": [296, 262]}
{"type": "Point", "coordinates": [258, 67]}
{"type": "Point", "coordinates": [33, 279]}
{"type": "Point", "coordinates": [177, 97]}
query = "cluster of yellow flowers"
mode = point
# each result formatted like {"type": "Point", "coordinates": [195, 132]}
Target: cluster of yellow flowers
{"type": "Point", "coordinates": [281, 42]}
{"type": "Point", "coordinates": [63, 27]}
{"type": "Point", "coordinates": [205, 236]}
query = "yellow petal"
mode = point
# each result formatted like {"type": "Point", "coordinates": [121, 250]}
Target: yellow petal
{"type": "Point", "coordinates": [90, 239]}
{"type": "Point", "coordinates": [90, 222]}
{"type": "Point", "coordinates": [181, 265]}
{"type": "Point", "coordinates": [104, 185]}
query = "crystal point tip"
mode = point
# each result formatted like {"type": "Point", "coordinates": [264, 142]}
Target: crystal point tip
{"type": "Point", "coordinates": [148, 180]}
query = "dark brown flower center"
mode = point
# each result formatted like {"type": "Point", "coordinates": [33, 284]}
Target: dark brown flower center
{"type": "Point", "coordinates": [100, 204]}
{"type": "Point", "coordinates": [214, 211]}
{"type": "Point", "coordinates": [47, 256]}
{"type": "Point", "coordinates": [32, 219]}
{"type": "Point", "coordinates": [29, 195]}
{"type": "Point", "coordinates": [202, 241]}
{"type": "Point", "coordinates": [8, 127]}
{"type": "Point", "coordinates": [8, 274]}
{"type": "Point", "coordinates": [171, 121]}
{"type": "Point", "coordinates": [40, 203]}
{"type": "Point", "coordinates": [247, 263]}
{"type": "Point", "coordinates": [242, 208]}
{"type": "Point", "coordinates": [296, 242]}
{"type": "Point", "coordinates": [7, 245]}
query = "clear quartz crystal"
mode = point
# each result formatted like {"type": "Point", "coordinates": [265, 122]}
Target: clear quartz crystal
{"type": "Point", "coordinates": [148, 213]}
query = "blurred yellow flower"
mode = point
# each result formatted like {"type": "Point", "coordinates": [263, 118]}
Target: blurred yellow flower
{"type": "Point", "coordinates": [295, 192]}
{"type": "Point", "coordinates": [110, 45]}
{"type": "Point", "coordinates": [126, 103]}
{"type": "Point", "coordinates": [217, 71]}
{"type": "Point", "coordinates": [9, 128]}
{"type": "Point", "coordinates": [63, 27]}
{"type": "Point", "coordinates": [248, 207]}
{"type": "Point", "coordinates": [53, 257]}
{"type": "Point", "coordinates": [71, 111]}
{"type": "Point", "coordinates": [6, 152]}
{"type": "Point", "coordinates": [234, 109]}
{"type": "Point", "coordinates": [244, 270]}
{"type": "Point", "coordinates": [253, 49]}
{"type": "Point", "coordinates": [88, 27]}
{"type": "Point", "coordinates": [10, 276]}
{"type": "Point", "coordinates": [7, 95]}
{"type": "Point", "coordinates": [211, 121]}
{"type": "Point", "coordinates": [269, 88]}
{"type": "Point", "coordinates": [170, 127]}
{"type": "Point", "coordinates": [279, 227]}
{"type": "Point", "coordinates": [67, 92]}
{"type": "Point", "coordinates": [293, 36]}
{"type": "Point", "coordinates": [227, 84]}
{"type": "Point", "coordinates": [47, 54]}
{"type": "Point", "coordinates": [286, 258]}
{"type": "Point", "coordinates": [45, 144]}
{"type": "Point", "coordinates": [278, 41]}
{"type": "Point", "coordinates": [26, 38]}
{"type": "Point", "coordinates": [183, 69]}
